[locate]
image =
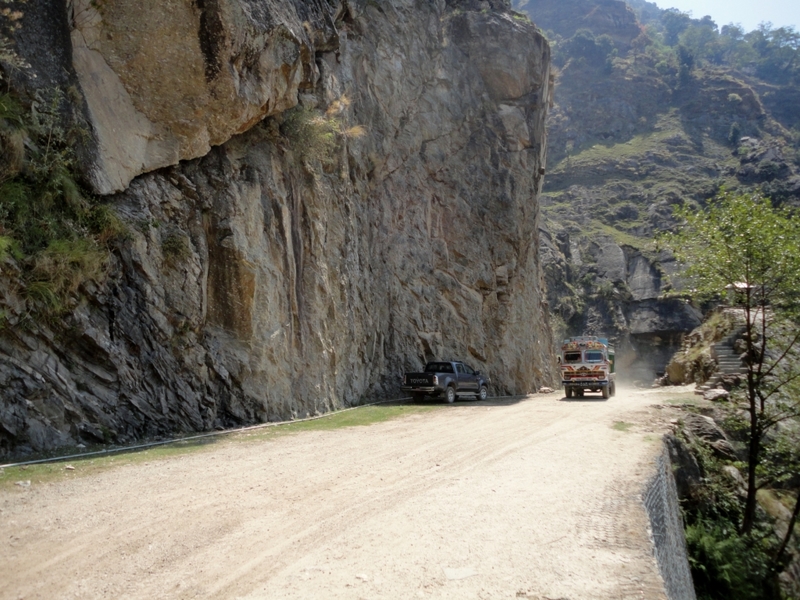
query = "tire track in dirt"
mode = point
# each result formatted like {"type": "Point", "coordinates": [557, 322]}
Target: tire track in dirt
{"type": "Point", "coordinates": [458, 458]}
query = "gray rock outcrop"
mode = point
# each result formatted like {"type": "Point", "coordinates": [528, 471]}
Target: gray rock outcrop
{"type": "Point", "coordinates": [623, 297]}
{"type": "Point", "coordinates": [259, 280]}
{"type": "Point", "coordinates": [704, 429]}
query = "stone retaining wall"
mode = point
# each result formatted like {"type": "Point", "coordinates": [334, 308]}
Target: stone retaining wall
{"type": "Point", "coordinates": [661, 502]}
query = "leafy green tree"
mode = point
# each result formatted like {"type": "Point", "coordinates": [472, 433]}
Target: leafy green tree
{"type": "Point", "coordinates": [740, 244]}
{"type": "Point", "coordinates": [723, 565]}
{"type": "Point", "coordinates": [685, 64]}
{"type": "Point", "coordinates": [736, 50]}
{"type": "Point", "coordinates": [702, 39]}
{"type": "Point", "coordinates": [778, 52]}
{"type": "Point", "coordinates": [675, 22]}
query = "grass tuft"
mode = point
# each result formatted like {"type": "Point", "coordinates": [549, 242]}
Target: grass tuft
{"type": "Point", "coordinates": [50, 224]}
{"type": "Point", "coordinates": [311, 135]}
{"type": "Point", "coordinates": [314, 136]}
{"type": "Point", "coordinates": [175, 248]}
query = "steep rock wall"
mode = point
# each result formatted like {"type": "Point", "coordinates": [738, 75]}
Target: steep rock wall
{"type": "Point", "coordinates": [259, 281]}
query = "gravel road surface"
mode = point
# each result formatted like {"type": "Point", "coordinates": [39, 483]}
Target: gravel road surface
{"type": "Point", "coordinates": [536, 498]}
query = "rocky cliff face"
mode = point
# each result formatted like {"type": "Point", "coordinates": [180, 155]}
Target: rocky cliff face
{"type": "Point", "coordinates": [285, 259]}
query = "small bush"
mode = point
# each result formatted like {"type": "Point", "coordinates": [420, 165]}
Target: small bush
{"type": "Point", "coordinates": [106, 225]}
{"type": "Point", "coordinates": [67, 263]}
{"type": "Point", "coordinates": [175, 248]}
{"type": "Point", "coordinates": [42, 295]}
{"type": "Point", "coordinates": [725, 565]}
{"type": "Point", "coordinates": [311, 135]}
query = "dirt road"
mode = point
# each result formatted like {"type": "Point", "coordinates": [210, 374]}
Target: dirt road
{"type": "Point", "coordinates": [538, 498]}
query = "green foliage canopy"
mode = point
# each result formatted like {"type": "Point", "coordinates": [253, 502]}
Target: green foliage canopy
{"type": "Point", "coordinates": [740, 242]}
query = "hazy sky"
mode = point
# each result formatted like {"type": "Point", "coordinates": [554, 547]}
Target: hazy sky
{"type": "Point", "coordinates": [747, 13]}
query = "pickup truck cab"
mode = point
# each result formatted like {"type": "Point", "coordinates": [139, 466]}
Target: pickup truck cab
{"type": "Point", "coordinates": [447, 380]}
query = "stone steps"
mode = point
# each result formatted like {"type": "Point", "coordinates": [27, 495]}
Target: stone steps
{"type": "Point", "coordinates": [728, 361]}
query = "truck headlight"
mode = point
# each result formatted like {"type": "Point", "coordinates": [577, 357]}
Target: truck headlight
{"type": "Point", "coordinates": [435, 380]}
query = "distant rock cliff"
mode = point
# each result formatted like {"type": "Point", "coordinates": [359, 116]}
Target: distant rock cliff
{"type": "Point", "coordinates": [264, 279]}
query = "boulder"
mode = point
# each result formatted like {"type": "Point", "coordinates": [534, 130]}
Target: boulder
{"type": "Point", "coordinates": [705, 430]}
{"type": "Point", "coordinates": [166, 82]}
{"type": "Point", "coordinates": [643, 279]}
{"type": "Point", "coordinates": [716, 395]}
{"type": "Point", "coordinates": [733, 474]}
{"type": "Point", "coordinates": [685, 468]}
{"type": "Point", "coordinates": [676, 373]}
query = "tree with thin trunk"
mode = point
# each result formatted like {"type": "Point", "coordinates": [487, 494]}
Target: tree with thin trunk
{"type": "Point", "coordinates": [740, 246]}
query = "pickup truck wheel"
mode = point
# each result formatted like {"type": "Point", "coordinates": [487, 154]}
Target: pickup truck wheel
{"type": "Point", "coordinates": [482, 394]}
{"type": "Point", "coordinates": [450, 394]}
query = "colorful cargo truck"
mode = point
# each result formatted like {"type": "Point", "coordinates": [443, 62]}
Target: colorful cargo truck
{"type": "Point", "coordinates": [587, 365]}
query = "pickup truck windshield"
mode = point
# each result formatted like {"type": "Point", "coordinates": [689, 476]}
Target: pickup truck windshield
{"type": "Point", "coordinates": [594, 356]}
{"type": "Point", "coordinates": [438, 368]}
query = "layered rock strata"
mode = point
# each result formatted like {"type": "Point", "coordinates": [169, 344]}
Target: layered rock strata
{"type": "Point", "coordinates": [288, 260]}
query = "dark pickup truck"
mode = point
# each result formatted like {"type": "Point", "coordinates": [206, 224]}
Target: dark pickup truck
{"type": "Point", "coordinates": [446, 379]}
